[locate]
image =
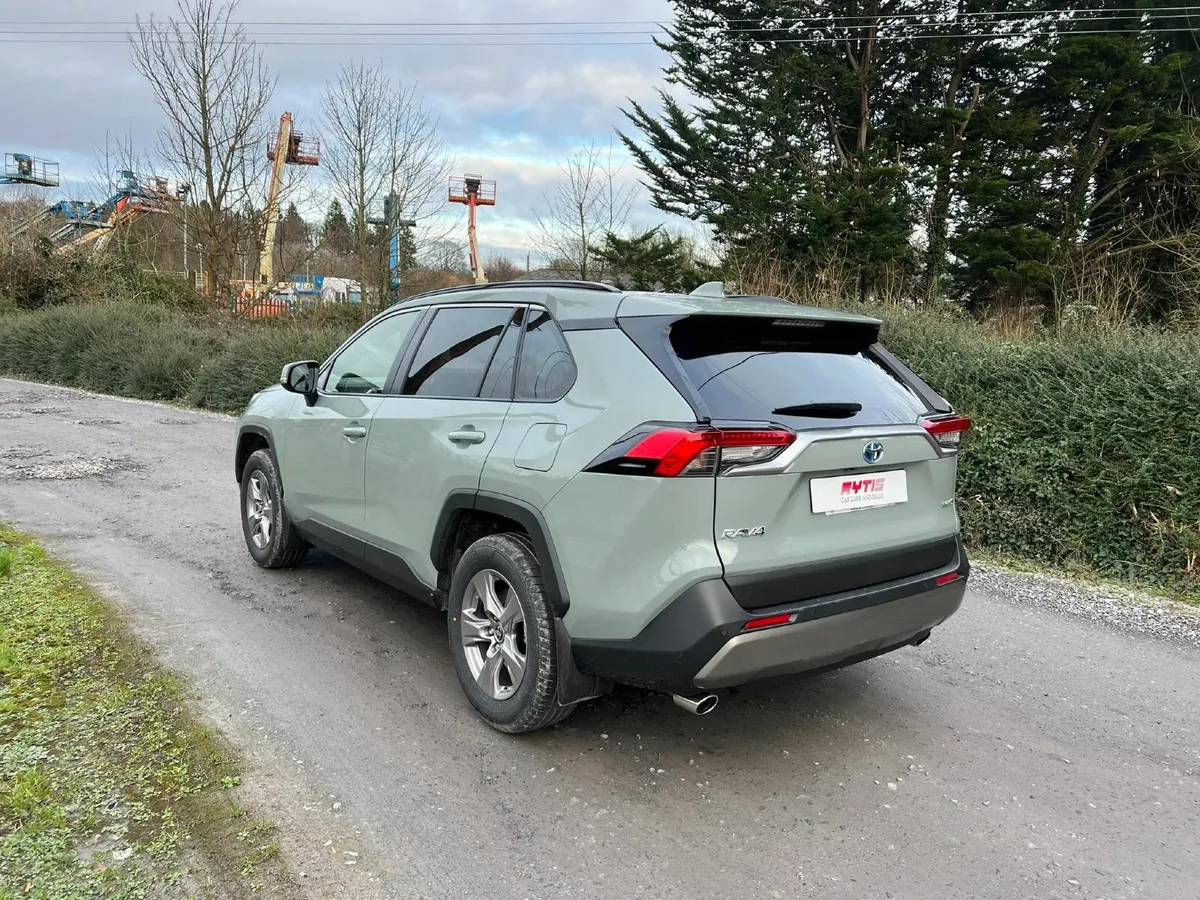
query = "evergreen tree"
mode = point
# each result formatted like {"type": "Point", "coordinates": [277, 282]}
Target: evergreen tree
{"type": "Point", "coordinates": [652, 261]}
{"type": "Point", "coordinates": [292, 227]}
{"type": "Point", "coordinates": [335, 231]}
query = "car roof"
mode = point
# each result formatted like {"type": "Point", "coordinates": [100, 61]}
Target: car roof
{"type": "Point", "coordinates": [575, 301]}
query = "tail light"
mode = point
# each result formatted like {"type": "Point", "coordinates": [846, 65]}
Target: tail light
{"type": "Point", "coordinates": [948, 432]}
{"type": "Point", "coordinates": [674, 451]}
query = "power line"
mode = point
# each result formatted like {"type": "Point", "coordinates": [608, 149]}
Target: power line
{"type": "Point", "coordinates": [322, 41]}
{"type": "Point", "coordinates": [928, 18]}
{"type": "Point", "coordinates": [1004, 14]}
{"type": "Point", "coordinates": [884, 25]}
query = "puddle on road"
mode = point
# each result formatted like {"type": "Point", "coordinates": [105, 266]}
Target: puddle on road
{"type": "Point", "coordinates": [97, 422]}
{"type": "Point", "coordinates": [46, 410]}
{"type": "Point", "coordinates": [175, 421]}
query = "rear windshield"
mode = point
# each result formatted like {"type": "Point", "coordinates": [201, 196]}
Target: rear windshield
{"type": "Point", "coordinates": [798, 373]}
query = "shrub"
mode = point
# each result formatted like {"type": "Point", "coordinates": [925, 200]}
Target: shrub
{"type": "Point", "coordinates": [122, 349]}
{"type": "Point", "coordinates": [1084, 451]}
{"type": "Point", "coordinates": [250, 362]}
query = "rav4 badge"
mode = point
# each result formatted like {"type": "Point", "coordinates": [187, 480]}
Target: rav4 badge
{"type": "Point", "coordinates": [756, 531]}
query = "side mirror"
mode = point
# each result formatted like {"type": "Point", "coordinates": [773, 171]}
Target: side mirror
{"type": "Point", "coordinates": [301, 378]}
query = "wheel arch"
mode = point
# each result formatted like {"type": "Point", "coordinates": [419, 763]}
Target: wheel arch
{"type": "Point", "coordinates": [251, 438]}
{"type": "Point", "coordinates": [468, 513]}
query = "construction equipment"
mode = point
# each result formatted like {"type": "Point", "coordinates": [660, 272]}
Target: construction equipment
{"type": "Point", "coordinates": [21, 168]}
{"type": "Point", "coordinates": [86, 224]}
{"type": "Point", "coordinates": [79, 223]}
{"type": "Point", "coordinates": [392, 221]}
{"type": "Point", "coordinates": [474, 191]}
{"type": "Point", "coordinates": [297, 150]}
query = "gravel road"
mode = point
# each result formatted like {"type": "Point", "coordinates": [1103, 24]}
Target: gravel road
{"type": "Point", "coordinates": [1044, 743]}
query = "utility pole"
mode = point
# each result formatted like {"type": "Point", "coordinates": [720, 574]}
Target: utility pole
{"type": "Point", "coordinates": [391, 219]}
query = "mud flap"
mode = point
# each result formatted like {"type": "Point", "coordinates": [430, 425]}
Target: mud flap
{"type": "Point", "coordinates": [573, 686]}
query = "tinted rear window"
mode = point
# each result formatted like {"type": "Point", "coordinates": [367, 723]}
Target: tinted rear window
{"type": "Point", "coordinates": [761, 369]}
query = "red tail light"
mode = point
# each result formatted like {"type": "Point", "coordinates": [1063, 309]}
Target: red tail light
{"type": "Point", "coordinates": [948, 432]}
{"type": "Point", "coordinates": [682, 451]}
{"type": "Point", "coordinates": [769, 621]}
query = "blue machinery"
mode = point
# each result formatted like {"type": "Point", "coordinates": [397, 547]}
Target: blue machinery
{"type": "Point", "coordinates": [78, 223]}
{"type": "Point", "coordinates": [391, 219]}
{"type": "Point", "coordinates": [20, 168]}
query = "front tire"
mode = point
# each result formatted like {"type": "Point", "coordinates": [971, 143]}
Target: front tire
{"type": "Point", "coordinates": [272, 541]}
{"type": "Point", "coordinates": [502, 636]}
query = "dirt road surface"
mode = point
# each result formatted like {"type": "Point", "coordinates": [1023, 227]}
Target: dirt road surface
{"type": "Point", "coordinates": [1034, 747]}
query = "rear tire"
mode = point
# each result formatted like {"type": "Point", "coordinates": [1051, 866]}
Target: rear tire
{"type": "Point", "coordinates": [272, 541]}
{"type": "Point", "coordinates": [502, 636]}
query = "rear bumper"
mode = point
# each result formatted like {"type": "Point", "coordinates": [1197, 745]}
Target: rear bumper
{"type": "Point", "coordinates": [699, 643]}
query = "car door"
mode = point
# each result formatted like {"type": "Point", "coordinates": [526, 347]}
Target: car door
{"type": "Point", "coordinates": [432, 434]}
{"type": "Point", "coordinates": [322, 455]}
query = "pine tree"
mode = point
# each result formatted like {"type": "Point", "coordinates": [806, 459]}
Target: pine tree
{"type": "Point", "coordinates": [652, 261]}
{"type": "Point", "coordinates": [788, 153]}
{"type": "Point", "coordinates": [335, 231]}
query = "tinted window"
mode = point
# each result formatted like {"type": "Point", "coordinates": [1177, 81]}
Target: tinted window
{"type": "Point", "coordinates": [498, 382]}
{"type": "Point", "coordinates": [456, 350]}
{"type": "Point", "coordinates": [363, 366]}
{"type": "Point", "coordinates": [547, 370]}
{"type": "Point", "coordinates": [807, 375]}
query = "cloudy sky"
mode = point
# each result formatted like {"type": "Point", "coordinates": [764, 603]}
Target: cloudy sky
{"type": "Point", "coordinates": [510, 112]}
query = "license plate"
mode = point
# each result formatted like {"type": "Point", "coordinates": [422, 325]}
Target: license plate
{"type": "Point", "coordinates": [847, 493]}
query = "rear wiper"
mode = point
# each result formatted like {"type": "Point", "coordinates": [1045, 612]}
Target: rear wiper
{"type": "Point", "coordinates": [820, 410]}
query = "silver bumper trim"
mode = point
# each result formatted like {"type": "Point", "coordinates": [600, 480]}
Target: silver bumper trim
{"type": "Point", "coordinates": [818, 643]}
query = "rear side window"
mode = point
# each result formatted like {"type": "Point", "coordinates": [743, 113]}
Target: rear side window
{"type": "Point", "coordinates": [455, 352]}
{"type": "Point", "coordinates": [498, 382]}
{"type": "Point", "coordinates": [805, 374]}
{"type": "Point", "coordinates": [547, 369]}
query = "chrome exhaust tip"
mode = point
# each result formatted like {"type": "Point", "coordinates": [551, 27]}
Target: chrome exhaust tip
{"type": "Point", "coordinates": [697, 706]}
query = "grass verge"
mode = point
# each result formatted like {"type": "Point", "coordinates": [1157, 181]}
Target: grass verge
{"type": "Point", "coordinates": [108, 787]}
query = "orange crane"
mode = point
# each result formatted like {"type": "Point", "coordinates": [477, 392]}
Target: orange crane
{"type": "Point", "coordinates": [474, 191]}
{"type": "Point", "coordinates": [297, 151]}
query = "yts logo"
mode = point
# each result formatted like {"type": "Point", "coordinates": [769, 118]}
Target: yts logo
{"type": "Point", "coordinates": [859, 486]}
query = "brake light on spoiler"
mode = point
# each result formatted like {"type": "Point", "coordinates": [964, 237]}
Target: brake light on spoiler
{"type": "Point", "coordinates": [673, 451]}
{"type": "Point", "coordinates": [948, 432]}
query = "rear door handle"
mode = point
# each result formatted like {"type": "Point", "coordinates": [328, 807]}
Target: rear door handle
{"type": "Point", "coordinates": [466, 436]}
{"type": "Point", "coordinates": [355, 431]}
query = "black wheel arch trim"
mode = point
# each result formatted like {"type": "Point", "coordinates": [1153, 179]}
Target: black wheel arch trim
{"type": "Point", "coordinates": [524, 514]}
{"type": "Point", "coordinates": [263, 432]}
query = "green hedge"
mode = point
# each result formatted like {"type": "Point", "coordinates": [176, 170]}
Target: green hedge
{"type": "Point", "coordinates": [134, 350]}
{"type": "Point", "coordinates": [1084, 452]}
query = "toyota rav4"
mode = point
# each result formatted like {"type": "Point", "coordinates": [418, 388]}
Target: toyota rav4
{"type": "Point", "coordinates": [683, 493]}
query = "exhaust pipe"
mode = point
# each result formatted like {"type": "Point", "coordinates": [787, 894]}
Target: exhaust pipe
{"type": "Point", "coordinates": [699, 706]}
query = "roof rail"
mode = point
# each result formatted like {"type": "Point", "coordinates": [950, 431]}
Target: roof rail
{"type": "Point", "coordinates": [564, 283]}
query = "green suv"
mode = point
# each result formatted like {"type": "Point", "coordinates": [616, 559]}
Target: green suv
{"type": "Point", "coordinates": [680, 493]}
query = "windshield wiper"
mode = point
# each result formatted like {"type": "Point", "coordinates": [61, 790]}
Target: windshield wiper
{"type": "Point", "coordinates": [820, 410]}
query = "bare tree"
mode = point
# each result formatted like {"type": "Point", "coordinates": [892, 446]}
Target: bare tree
{"type": "Point", "coordinates": [445, 256]}
{"type": "Point", "coordinates": [380, 140]}
{"type": "Point", "coordinates": [210, 81]}
{"type": "Point", "coordinates": [357, 129]}
{"type": "Point", "coordinates": [500, 267]}
{"type": "Point", "coordinates": [586, 205]}
{"type": "Point", "coordinates": [419, 166]}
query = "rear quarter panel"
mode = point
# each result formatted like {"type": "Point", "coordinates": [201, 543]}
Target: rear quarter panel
{"type": "Point", "coordinates": [626, 545]}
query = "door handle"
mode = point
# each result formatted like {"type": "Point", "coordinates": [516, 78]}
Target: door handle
{"type": "Point", "coordinates": [466, 436]}
{"type": "Point", "coordinates": [355, 431]}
